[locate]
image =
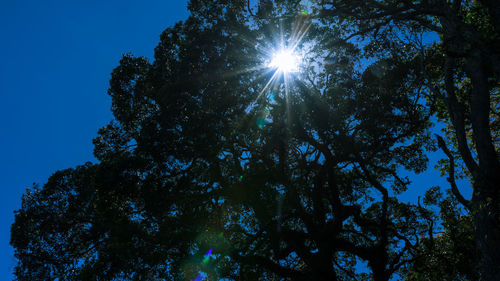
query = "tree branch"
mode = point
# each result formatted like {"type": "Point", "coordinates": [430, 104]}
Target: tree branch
{"type": "Point", "coordinates": [456, 112]}
{"type": "Point", "coordinates": [451, 174]}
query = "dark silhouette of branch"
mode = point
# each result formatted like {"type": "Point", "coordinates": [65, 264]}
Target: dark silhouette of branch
{"type": "Point", "coordinates": [451, 174]}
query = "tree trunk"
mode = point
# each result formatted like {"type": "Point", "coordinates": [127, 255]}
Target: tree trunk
{"type": "Point", "coordinates": [379, 270]}
{"type": "Point", "coordinates": [487, 177]}
{"type": "Point", "coordinates": [486, 219]}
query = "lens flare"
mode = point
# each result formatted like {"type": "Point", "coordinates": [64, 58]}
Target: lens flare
{"type": "Point", "coordinates": [207, 256]}
{"type": "Point", "coordinates": [261, 122]}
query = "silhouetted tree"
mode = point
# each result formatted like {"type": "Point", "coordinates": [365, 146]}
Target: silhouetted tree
{"type": "Point", "coordinates": [460, 72]}
{"type": "Point", "coordinates": [216, 163]}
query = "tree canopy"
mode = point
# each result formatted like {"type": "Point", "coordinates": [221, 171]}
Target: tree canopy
{"type": "Point", "coordinates": [219, 166]}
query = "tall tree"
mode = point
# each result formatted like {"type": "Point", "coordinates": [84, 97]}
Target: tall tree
{"type": "Point", "coordinates": [218, 166]}
{"type": "Point", "coordinates": [461, 72]}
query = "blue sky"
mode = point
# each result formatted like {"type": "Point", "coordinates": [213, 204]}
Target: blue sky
{"type": "Point", "coordinates": [56, 59]}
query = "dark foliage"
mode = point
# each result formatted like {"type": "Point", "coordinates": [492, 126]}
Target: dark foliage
{"type": "Point", "coordinates": [297, 179]}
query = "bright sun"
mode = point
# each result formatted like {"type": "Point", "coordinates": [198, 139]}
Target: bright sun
{"type": "Point", "coordinates": [285, 61]}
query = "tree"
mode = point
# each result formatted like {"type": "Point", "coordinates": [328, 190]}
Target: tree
{"type": "Point", "coordinates": [449, 251]}
{"type": "Point", "coordinates": [461, 74]}
{"type": "Point", "coordinates": [216, 164]}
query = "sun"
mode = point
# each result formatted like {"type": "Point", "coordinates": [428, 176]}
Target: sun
{"type": "Point", "coordinates": [285, 61]}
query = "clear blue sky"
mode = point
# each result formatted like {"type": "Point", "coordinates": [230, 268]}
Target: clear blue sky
{"type": "Point", "coordinates": [56, 59]}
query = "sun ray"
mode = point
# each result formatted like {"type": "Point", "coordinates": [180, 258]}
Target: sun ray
{"type": "Point", "coordinates": [287, 98]}
{"type": "Point", "coordinates": [243, 71]}
{"type": "Point", "coordinates": [280, 60]}
{"type": "Point", "coordinates": [272, 79]}
{"type": "Point", "coordinates": [301, 36]}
